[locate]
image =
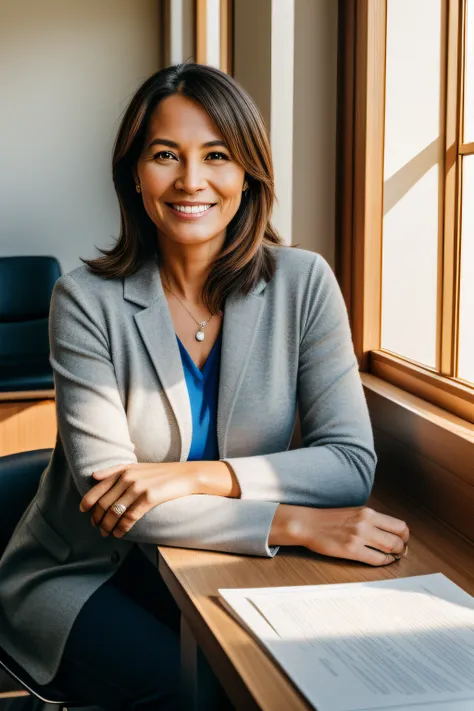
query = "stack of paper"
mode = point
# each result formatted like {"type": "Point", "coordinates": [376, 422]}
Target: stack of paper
{"type": "Point", "coordinates": [406, 643]}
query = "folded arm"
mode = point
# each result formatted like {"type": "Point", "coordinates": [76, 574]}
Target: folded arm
{"type": "Point", "coordinates": [93, 428]}
{"type": "Point", "coordinates": [334, 467]}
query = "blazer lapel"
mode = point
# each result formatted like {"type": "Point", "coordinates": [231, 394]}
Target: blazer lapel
{"type": "Point", "coordinates": [157, 331]}
{"type": "Point", "coordinates": [241, 318]}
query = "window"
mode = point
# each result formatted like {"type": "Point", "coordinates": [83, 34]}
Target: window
{"type": "Point", "coordinates": [466, 158]}
{"type": "Point", "coordinates": [406, 193]}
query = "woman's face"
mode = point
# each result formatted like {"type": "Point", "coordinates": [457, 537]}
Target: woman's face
{"type": "Point", "coordinates": [179, 170]}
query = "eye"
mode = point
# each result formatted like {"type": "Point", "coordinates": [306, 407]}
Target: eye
{"type": "Point", "coordinates": [221, 155]}
{"type": "Point", "coordinates": [163, 155]}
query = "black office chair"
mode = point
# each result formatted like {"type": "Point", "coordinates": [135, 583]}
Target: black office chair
{"type": "Point", "coordinates": [19, 479]}
{"type": "Point", "coordinates": [26, 284]}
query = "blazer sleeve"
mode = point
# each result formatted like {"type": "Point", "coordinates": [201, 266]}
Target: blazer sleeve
{"type": "Point", "coordinates": [336, 465]}
{"type": "Point", "coordinates": [94, 433]}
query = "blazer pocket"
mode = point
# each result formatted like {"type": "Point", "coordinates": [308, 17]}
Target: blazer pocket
{"type": "Point", "coordinates": [47, 536]}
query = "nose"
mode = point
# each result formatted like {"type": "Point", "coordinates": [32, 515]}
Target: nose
{"type": "Point", "coordinates": [191, 177]}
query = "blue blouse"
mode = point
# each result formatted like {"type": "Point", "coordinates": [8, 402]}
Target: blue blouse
{"type": "Point", "coordinates": [203, 388]}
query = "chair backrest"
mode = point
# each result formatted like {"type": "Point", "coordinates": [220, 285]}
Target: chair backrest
{"type": "Point", "coordinates": [19, 478]}
{"type": "Point", "coordinates": [26, 284]}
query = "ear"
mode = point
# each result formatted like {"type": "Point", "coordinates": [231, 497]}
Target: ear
{"type": "Point", "coordinates": [135, 174]}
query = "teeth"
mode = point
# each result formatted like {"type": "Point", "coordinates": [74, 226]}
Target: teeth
{"type": "Point", "coordinates": [191, 208]}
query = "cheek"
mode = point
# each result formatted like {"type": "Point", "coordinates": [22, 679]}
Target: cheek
{"type": "Point", "coordinates": [152, 208]}
{"type": "Point", "coordinates": [231, 189]}
{"type": "Point", "coordinates": [154, 183]}
{"type": "Point", "coordinates": [230, 180]}
{"type": "Point", "coordinates": [153, 186]}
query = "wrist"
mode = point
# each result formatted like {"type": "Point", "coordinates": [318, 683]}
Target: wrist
{"type": "Point", "coordinates": [191, 476]}
{"type": "Point", "coordinates": [288, 526]}
{"type": "Point", "coordinates": [215, 478]}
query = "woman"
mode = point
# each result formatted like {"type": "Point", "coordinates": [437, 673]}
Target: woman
{"type": "Point", "coordinates": [180, 357]}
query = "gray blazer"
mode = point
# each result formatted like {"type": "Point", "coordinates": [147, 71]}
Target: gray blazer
{"type": "Point", "coordinates": [121, 397]}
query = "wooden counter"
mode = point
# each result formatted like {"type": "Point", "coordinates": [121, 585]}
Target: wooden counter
{"type": "Point", "coordinates": [248, 675]}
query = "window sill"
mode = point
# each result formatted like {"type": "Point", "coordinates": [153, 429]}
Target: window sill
{"type": "Point", "coordinates": [448, 394]}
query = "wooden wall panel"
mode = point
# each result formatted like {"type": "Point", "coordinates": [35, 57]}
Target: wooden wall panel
{"type": "Point", "coordinates": [26, 425]}
{"type": "Point", "coordinates": [433, 487]}
{"type": "Point", "coordinates": [423, 452]}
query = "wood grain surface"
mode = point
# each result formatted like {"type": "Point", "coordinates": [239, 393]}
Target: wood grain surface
{"type": "Point", "coordinates": [251, 679]}
{"type": "Point", "coordinates": [26, 425]}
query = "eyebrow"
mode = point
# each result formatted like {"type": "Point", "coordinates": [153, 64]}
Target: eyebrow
{"type": "Point", "coordinates": [172, 144]}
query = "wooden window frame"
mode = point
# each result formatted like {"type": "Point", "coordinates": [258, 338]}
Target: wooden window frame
{"type": "Point", "coordinates": [226, 12]}
{"type": "Point", "coordinates": [359, 214]}
{"type": "Point", "coordinates": [199, 15]}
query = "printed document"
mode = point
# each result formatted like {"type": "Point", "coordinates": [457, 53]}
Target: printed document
{"type": "Point", "coordinates": [392, 644]}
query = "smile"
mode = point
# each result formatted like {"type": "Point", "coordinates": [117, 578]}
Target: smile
{"type": "Point", "coordinates": [190, 212]}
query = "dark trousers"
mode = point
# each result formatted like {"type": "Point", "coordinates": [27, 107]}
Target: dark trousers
{"type": "Point", "coordinates": [123, 651]}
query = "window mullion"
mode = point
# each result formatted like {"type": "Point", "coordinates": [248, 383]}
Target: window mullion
{"type": "Point", "coordinates": [371, 18]}
{"type": "Point", "coordinates": [449, 243]}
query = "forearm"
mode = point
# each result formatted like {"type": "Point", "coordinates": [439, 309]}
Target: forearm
{"type": "Point", "coordinates": [213, 478]}
{"type": "Point", "coordinates": [210, 523]}
{"type": "Point", "coordinates": [327, 475]}
{"type": "Point", "coordinates": [178, 512]}
{"type": "Point", "coordinates": [321, 477]}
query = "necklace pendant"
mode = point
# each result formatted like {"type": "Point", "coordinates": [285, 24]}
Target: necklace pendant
{"type": "Point", "coordinates": [199, 336]}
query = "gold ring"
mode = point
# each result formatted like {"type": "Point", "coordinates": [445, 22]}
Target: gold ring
{"type": "Point", "coordinates": [397, 557]}
{"type": "Point", "coordinates": [119, 509]}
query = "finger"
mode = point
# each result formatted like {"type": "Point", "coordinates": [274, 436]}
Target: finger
{"type": "Point", "coordinates": [114, 495]}
{"type": "Point", "coordinates": [120, 524]}
{"type": "Point", "coordinates": [385, 541]}
{"type": "Point", "coordinates": [141, 503]}
{"type": "Point", "coordinates": [102, 505]}
{"type": "Point", "coordinates": [405, 552]}
{"type": "Point", "coordinates": [94, 494]}
{"type": "Point", "coordinates": [394, 525]}
{"type": "Point", "coordinates": [376, 558]}
{"type": "Point", "coordinates": [104, 473]}
{"type": "Point", "coordinates": [134, 513]}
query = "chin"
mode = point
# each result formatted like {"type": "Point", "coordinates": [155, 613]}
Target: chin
{"type": "Point", "coordinates": [192, 238]}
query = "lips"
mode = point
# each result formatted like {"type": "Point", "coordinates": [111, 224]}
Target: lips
{"type": "Point", "coordinates": [192, 208]}
{"type": "Point", "coordinates": [190, 204]}
{"type": "Point", "coordinates": [194, 211]}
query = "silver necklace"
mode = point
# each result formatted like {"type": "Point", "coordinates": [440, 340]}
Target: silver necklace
{"type": "Point", "coordinates": [199, 335]}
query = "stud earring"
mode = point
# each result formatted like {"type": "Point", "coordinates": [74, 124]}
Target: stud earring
{"type": "Point", "coordinates": [246, 185]}
{"type": "Point", "coordinates": [138, 187]}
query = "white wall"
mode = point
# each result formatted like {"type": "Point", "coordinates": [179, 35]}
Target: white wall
{"type": "Point", "coordinates": [282, 113]}
{"type": "Point", "coordinates": [67, 72]}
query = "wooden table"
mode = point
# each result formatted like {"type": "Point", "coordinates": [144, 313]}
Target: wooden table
{"type": "Point", "coordinates": [251, 679]}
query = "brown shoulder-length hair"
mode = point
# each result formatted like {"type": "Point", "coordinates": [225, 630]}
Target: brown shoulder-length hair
{"type": "Point", "coordinates": [245, 257]}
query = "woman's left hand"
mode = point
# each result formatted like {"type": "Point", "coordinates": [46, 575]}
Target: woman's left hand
{"type": "Point", "coordinates": [139, 487]}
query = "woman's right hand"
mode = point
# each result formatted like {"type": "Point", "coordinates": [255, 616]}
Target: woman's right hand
{"type": "Point", "coordinates": [358, 532]}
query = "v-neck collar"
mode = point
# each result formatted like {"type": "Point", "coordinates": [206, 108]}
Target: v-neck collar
{"type": "Point", "coordinates": [200, 372]}
{"type": "Point", "coordinates": [156, 329]}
